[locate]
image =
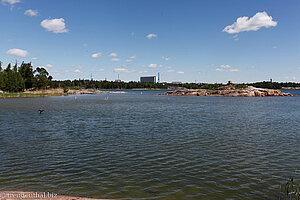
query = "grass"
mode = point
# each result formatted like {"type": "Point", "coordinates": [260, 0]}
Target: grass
{"type": "Point", "coordinates": [22, 94]}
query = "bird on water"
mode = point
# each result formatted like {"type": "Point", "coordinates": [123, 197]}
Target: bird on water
{"type": "Point", "coordinates": [40, 110]}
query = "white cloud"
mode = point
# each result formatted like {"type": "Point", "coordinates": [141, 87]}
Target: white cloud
{"type": "Point", "coordinates": [168, 67]}
{"type": "Point", "coordinates": [132, 57]}
{"type": "Point", "coordinates": [17, 52]}
{"type": "Point", "coordinates": [171, 70]}
{"type": "Point", "coordinates": [31, 12]}
{"type": "Point", "coordinates": [275, 47]}
{"type": "Point", "coordinates": [49, 66]}
{"type": "Point", "coordinates": [128, 60]}
{"type": "Point", "coordinates": [226, 68]}
{"type": "Point", "coordinates": [152, 65]}
{"type": "Point", "coordinates": [99, 70]}
{"type": "Point", "coordinates": [123, 70]}
{"type": "Point", "coordinates": [97, 55]}
{"type": "Point", "coordinates": [141, 72]}
{"type": "Point", "coordinates": [234, 70]}
{"type": "Point", "coordinates": [54, 25]}
{"type": "Point", "coordinates": [165, 58]}
{"type": "Point", "coordinates": [220, 70]}
{"type": "Point", "coordinates": [259, 20]}
{"type": "Point", "coordinates": [11, 2]}
{"type": "Point", "coordinates": [34, 58]}
{"type": "Point", "coordinates": [78, 67]}
{"type": "Point", "coordinates": [180, 72]}
{"type": "Point", "coordinates": [78, 71]}
{"type": "Point", "coordinates": [113, 55]}
{"type": "Point", "coordinates": [115, 59]}
{"type": "Point", "coordinates": [151, 35]}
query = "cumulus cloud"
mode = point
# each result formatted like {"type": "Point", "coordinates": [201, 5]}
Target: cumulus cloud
{"type": "Point", "coordinates": [31, 12]}
{"type": "Point", "coordinates": [54, 25]}
{"type": "Point", "coordinates": [259, 20]}
{"type": "Point", "coordinates": [78, 71]}
{"type": "Point", "coordinates": [132, 57]}
{"type": "Point", "coordinates": [128, 60]}
{"type": "Point", "coordinates": [115, 59]}
{"type": "Point", "coordinates": [11, 2]}
{"type": "Point", "coordinates": [118, 70]}
{"type": "Point", "coordinates": [34, 58]}
{"type": "Point", "coordinates": [180, 72]}
{"type": "Point", "coordinates": [113, 55]}
{"type": "Point", "coordinates": [152, 65]}
{"type": "Point", "coordinates": [226, 68]}
{"type": "Point", "coordinates": [17, 52]}
{"type": "Point", "coordinates": [168, 67]}
{"type": "Point", "coordinates": [49, 66]}
{"type": "Point", "coordinates": [151, 35]}
{"type": "Point", "coordinates": [97, 55]}
{"type": "Point", "coordinates": [165, 58]}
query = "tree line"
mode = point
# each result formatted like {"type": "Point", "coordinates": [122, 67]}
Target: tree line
{"type": "Point", "coordinates": [19, 78]}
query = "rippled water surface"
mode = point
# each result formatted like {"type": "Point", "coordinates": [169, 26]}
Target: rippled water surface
{"type": "Point", "coordinates": [139, 145]}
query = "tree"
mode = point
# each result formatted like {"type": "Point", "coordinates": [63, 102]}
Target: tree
{"type": "Point", "coordinates": [42, 77]}
{"type": "Point", "coordinates": [26, 72]}
{"type": "Point", "coordinates": [11, 80]}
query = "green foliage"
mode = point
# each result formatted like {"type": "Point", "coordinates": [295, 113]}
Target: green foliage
{"type": "Point", "coordinates": [66, 89]}
{"type": "Point", "coordinates": [42, 78]}
{"type": "Point", "coordinates": [11, 80]}
{"type": "Point", "coordinates": [17, 79]}
{"type": "Point", "coordinates": [290, 190]}
{"type": "Point", "coordinates": [26, 72]}
{"type": "Point", "coordinates": [241, 86]}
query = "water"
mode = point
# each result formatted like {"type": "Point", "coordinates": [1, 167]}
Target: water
{"type": "Point", "coordinates": [145, 146]}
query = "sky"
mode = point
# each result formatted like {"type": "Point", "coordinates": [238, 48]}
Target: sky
{"type": "Point", "coordinates": [184, 40]}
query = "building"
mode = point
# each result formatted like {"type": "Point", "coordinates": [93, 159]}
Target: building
{"type": "Point", "coordinates": [118, 80]}
{"type": "Point", "coordinates": [148, 79]}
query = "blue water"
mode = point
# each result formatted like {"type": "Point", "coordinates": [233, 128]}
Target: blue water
{"type": "Point", "coordinates": [144, 146]}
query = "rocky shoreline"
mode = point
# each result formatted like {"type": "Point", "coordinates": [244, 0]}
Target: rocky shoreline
{"type": "Point", "coordinates": [57, 92]}
{"type": "Point", "coordinates": [230, 91]}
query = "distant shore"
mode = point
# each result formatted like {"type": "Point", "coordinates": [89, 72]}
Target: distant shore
{"type": "Point", "coordinates": [229, 91]}
{"type": "Point", "coordinates": [56, 92]}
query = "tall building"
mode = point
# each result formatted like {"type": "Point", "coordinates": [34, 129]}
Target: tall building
{"type": "Point", "coordinates": [148, 79]}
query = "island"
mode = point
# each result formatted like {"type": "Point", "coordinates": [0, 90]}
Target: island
{"type": "Point", "coordinates": [230, 91]}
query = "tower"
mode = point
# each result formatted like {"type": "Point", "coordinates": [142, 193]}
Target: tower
{"type": "Point", "coordinates": [158, 78]}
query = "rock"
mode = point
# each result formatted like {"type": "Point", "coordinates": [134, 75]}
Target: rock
{"type": "Point", "coordinates": [230, 91]}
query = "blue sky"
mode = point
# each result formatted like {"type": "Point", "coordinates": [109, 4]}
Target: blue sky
{"type": "Point", "coordinates": [202, 40]}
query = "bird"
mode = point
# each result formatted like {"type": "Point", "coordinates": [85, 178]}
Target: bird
{"type": "Point", "coordinates": [40, 110]}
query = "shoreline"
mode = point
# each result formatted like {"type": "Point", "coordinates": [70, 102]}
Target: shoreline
{"type": "Point", "coordinates": [229, 91]}
{"type": "Point", "coordinates": [56, 92]}
{"type": "Point", "coordinates": [13, 195]}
